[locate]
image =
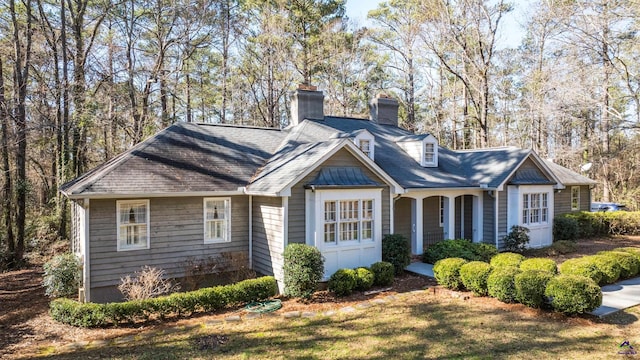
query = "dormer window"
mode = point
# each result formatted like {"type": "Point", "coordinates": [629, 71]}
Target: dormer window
{"type": "Point", "coordinates": [364, 140]}
{"type": "Point", "coordinates": [422, 148]}
{"type": "Point", "coordinates": [429, 152]}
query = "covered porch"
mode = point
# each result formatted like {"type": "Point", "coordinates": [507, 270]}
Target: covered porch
{"type": "Point", "coordinates": [427, 217]}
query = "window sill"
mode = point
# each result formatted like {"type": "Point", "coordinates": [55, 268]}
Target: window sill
{"type": "Point", "coordinates": [216, 241]}
{"type": "Point", "coordinates": [132, 248]}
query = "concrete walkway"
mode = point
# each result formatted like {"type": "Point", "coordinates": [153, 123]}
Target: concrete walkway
{"type": "Point", "coordinates": [619, 296]}
{"type": "Point", "coordinates": [615, 297]}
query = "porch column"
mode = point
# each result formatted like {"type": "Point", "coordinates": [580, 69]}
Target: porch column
{"type": "Point", "coordinates": [450, 217]}
{"type": "Point", "coordinates": [478, 228]}
{"type": "Point", "coordinates": [419, 227]}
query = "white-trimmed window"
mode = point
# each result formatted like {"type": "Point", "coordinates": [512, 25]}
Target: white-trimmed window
{"type": "Point", "coordinates": [535, 208]}
{"type": "Point", "coordinates": [441, 211]}
{"type": "Point", "coordinates": [133, 224]}
{"type": "Point", "coordinates": [217, 220]}
{"type": "Point", "coordinates": [365, 141]}
{"type": "Point", "coordinates": [575, 198]}
{"type": "Point", "coordinates": [348, 220]}
{"type": "Point", "coordinates": [429, 152]}
{"type": "Point", "coordinates": [365, 146]}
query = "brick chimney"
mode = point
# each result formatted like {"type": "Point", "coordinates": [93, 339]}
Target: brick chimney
{"type": "Point", "coordinates": [306, 103]}
{"type": "Point", "coordinates": [384, 110]}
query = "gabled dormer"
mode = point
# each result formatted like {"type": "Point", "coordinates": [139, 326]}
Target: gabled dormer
{"type": "Point", "coordinates": [422, 148]}
{"type": "Point", "coordinates": [365, 141]}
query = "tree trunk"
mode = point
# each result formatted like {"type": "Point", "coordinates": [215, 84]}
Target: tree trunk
{"type": "Point", "coordinates": [7, 186]}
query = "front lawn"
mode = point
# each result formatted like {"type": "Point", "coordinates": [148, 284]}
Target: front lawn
{"type": "Point", "coordinates": [424, 325]}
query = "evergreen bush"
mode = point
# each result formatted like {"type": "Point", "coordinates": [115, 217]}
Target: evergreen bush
{"type": "Point", "coordinates": [62, 275]}
{"type": "Point", "coordinates": [364, 278]}
{"type": "Point", "coordinates": [573, 294]}
{"type": "Point", "coordinates": [501, 283]}
{"type": "Point", "coordinates": [459, 248]}
{"type": "Point", "coordinates": [629, 264]}
{"type": "Point", "coordinates": [507, 259]}
{"type": "Point", "coordinates": [342, 282]}
{"type": "Point", "coordinates": [565, 228]}
{"type": "Point", "coordinates": [383, 273]}
{"type": "Point", "coordinates": [474, 276]}
{"type": "Point", "coordinates": [530, 287]}
{"type": "Point", "coordinates": [396, 249]}
{"type": "Point", "coordinates": [447, 272]}
{"type": "Point", "coordinates": [583, 267]}
{"type": "Point", "coordinates": [517, 239]}
{"type": "Point", "coordinates": [544, 264]}
{"type": "Point", "coordinates": [303, 269]}
{"type": "Point", "coordinates": [608, 266]}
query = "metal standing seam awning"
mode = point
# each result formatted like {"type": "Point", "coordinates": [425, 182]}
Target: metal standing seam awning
{"type": "Point", "coordinates": [343, 178]}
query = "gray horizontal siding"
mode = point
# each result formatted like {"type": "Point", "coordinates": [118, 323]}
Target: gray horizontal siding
{"type": "Point", "coordinates": [488, 218]}
{"type": "Point", "coordinates": [176, 236]}
{"type": "Point", "coordinates": [502, 217]}
{"type": "Point", "coordinates": [562, 200]}
{"type": "Point", "coordinates": [268, 236]}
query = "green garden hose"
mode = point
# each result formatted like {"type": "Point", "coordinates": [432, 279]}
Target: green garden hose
{"type": "Point", "coordinates": [264, 306]}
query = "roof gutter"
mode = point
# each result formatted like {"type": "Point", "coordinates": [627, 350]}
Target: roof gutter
{"type": "Point", "coordinates": [153, 195]}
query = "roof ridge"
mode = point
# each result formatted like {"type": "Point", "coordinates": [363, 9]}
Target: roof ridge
{"type": "Point", "coordinates": [236, 126]}
{"type": "Point", "coordinates": [495, 148]}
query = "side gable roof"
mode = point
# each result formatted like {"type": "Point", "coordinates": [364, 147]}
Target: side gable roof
{"type": "Point", "coordinates": [568, 177]}
{"type": "Point", "coordinates": [183, 158]}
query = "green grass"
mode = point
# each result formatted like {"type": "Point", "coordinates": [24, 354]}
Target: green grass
{"type": "Point", "coordinates": [421, 326]}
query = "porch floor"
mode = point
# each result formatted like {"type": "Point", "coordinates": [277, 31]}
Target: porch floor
{"type": "Point", "coordinates": [420, 268]}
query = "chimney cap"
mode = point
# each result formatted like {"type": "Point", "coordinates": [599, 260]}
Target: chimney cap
{"type": "Point", "coordinates": [307, 87]}
{"type": "Point", "coordinates": [383, 96]}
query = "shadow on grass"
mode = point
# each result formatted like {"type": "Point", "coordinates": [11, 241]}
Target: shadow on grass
{"type": "Point", "coordinates": [418, 328]}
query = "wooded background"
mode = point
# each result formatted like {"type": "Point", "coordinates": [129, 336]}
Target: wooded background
{"type": "Point", "coordinates": [83, 80]}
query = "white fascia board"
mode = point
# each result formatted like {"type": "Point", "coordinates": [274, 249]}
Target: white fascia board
{"type": "Point", "coordinates": [155, 195]}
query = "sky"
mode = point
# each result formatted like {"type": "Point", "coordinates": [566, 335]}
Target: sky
{"type": "Point", "coordinates": [511, 31]}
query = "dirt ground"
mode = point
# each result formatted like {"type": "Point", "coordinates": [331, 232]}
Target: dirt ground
{"type": "Point", "coordinates": [25, 325]}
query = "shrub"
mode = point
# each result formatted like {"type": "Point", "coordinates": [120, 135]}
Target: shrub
{"type": "Point", "coordinates": [583, 267]}
{"type": "Point", "coordinates": [631, 250]}
{"type": "Point", "coordinates": [146, 284]}
{"type": "Point", "coordinates": [507, 259]}
{"type": "Point", "coordinates": [303, 270]}
{"type": "Point", "coordinates": [608, 266]}
{"type": "Point", "coordinates": [501, 285]}
{"type": "Point", "coordinates": [530, 287]}
{"type": "Point", "coordinates": [207, 299]}
{"type": "Point", "coordinates": [364, 278]}
{"type": "Point", "coordinates": [565, 228]}
{"type": "Point", "coordinates": [474, 276]}
{"type": "Point", "coordinates": [628, 263]}
{"type": "Point", "coordinates": [447, 272]}
{"type": "Point", "coordinates": [459, 248]}
{"type": "Point", "coordinates": [562, 247]}
{"type": "Point", "coordinates": [342, 282]}
{"type": "Point", "coordinates": [539, 264]}
{"type": "Point", "coordinates": [383, 273]}
{"type": "Point", "coordinates": [517, 239]}
{"type": "Point", "coordinates": [573, 294]}
{"type": "Point", "coordinates": [62, 275]}
{"type": "Point", "coordinates": [396, 250]}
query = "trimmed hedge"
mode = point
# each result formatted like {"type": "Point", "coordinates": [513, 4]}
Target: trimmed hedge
{"type": "Point", "coordinates": [544, 264]}
{"type": "Point", "coordinates": [507, 259]}
{"type": "Point", "coordinates": [631, 250]}
{"type": "Point", "coordinates": [474, 276]}
{"type": "Point", "coordinates": [447, 272]}
{"type": "Point", "coordinates": [396, 249]}
{"type": "Point", "coordinates": [629, 264]}
{"type": "Point", "coordinates": [593, 224]}
{"type": "Point", "coordinates": [583, 267]}
{"type": "Point", "coordinates": [573, 294]}
{"type": "Point", "coordinates": [342, 282]}
{"type": "Point", "coordinates": [530, 286]}
{"type": "Point", "coordinates": [501, 283]}
{"type": "Point", "coordinates": [303, 269]}
{"type": "Point", "coordinates": [565, 228]}
{"type": "Point", "coordinates": [608, 266]}
{"type": "Point", "coordinates": [364, 278]}
{"type": "Point", "coordinates": [459, 248]}
{"type": "Point", "coordinates": [203, 300]}
{"type": "Point", "coordinates": [383, 273]}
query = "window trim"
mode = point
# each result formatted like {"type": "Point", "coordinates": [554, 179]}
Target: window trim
{"type": "Point", "coordinates": [425, 144]}
{"type": "Point", "coordinates": [338, 221]}
{"type": "Point", "coordinates": [124, 247]}
{"type": "Point", "coordinates": [540, 211]}
{"type": "Point", "coordinates": [227, 219]}
{"type": "Point", "coordinates": [576, 198]}
{"type": "Point", "coordinates": [367, 136]}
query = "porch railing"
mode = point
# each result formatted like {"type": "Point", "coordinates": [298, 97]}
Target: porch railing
{"type": "Point", "coordinates": [432, 237]}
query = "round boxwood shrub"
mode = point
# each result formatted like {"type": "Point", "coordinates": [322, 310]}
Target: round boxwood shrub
{"type": "Point", "coordinates": [583, 267]}
{"type": "Point", "coordinates": [565, 228]}
{"type": "Point", "coordinates": [447, 272]}
{"type": "Point", "coordinates": [608, 266]}
{"type": "Point", "coordinates": [539, 264]}
{"type": "Point", "coordinates": [507, 259]}
{"type": "Point", "coordinates": [342, 282]}
{"type": "Point", "coordinates": [530, 287]}
{"type": "Point", "coordinates": [303, 269]}
{"type": "Point", "coordinates": [629, 264]}
{"type": "Point", "coordinates": [500, 283]}
{"type": "Point", "coordinates": [460, 248]}
{"type": "Point", "coordinates": [62, 275]}
{"type": "Point", "coordinates": [573, 294]}
{"type": "Point", "coordinates": [396, 249]}
{"type": "Point", "coordinates": [474, 276]}
{"type": "Point", "coordinates": [383, 273]}
{"type": "Point", "coordinates": [364, 278]}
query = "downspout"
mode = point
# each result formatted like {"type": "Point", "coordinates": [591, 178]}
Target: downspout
{"type": "Point", "coordinates": [250, 231]}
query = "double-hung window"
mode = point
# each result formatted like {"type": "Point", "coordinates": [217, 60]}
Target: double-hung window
{"type": "Point", "coordinates": [133, 224]}
{"type": "Point", "coordinates": [348, 220]}
{"type": "Point", "coordinates": [429, 153]}
{"type": "Point", "coordinates": [575, 198]}
{"type": "Point", "coordinates": [535, 208]}
{"type": "Point", "coordinates": [217, 220]}
{"type": "Point", "coordinates": [365, 146]}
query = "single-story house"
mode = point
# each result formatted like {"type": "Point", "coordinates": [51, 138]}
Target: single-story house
{"type": "Point", "coordinates": [198, 190]}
